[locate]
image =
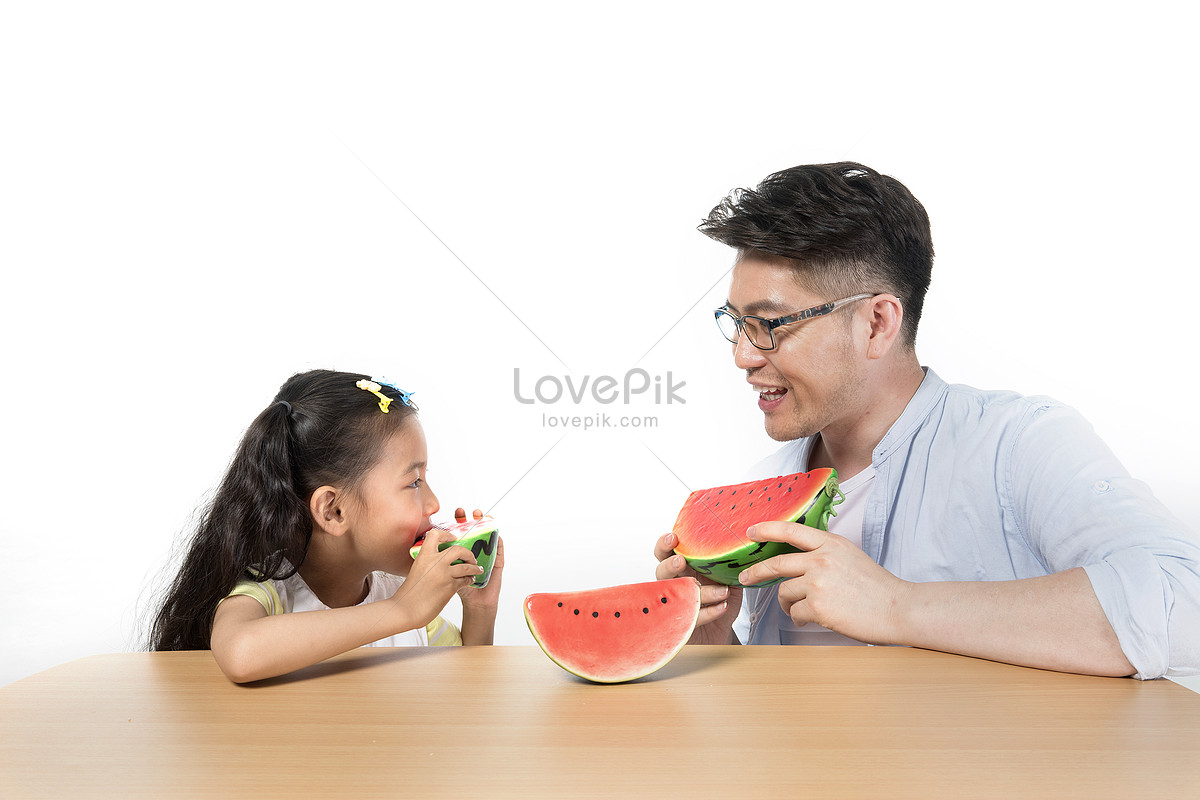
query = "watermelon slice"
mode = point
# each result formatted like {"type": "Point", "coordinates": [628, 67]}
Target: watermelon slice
{"type": "Point", "coordinates": [615, 634]}
{"type": "Point", "coordinates": [477, 535]}
{"type": "Point", "coordinates": [712, 524]}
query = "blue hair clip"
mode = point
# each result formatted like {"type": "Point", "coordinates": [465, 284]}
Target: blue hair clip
{"type": "Point", "coordinates": [404, 396]}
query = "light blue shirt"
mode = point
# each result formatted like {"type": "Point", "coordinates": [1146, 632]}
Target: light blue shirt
{"type": "Point", "coordinates": [987, 486]}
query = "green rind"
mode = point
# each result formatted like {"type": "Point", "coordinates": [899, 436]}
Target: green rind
{"type": "Point", "coordinates": [726, 567]}
{"type": "Point", "coordinates": [481, 542]}
{"type": "Point", "coordinates": [587, 641]}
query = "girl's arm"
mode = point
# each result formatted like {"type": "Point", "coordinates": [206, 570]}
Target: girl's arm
{"type": "Point", "coordinates": [249, 645]}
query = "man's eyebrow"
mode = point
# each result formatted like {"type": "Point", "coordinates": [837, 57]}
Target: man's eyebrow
{"type": "Point", "coordinates": [759, 308]}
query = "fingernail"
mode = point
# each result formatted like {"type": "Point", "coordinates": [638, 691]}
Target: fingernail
{"type": "Point", "coordinates": [750, 531]}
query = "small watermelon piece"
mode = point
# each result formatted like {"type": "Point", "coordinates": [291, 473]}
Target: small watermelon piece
{"type": "Point", "coordinates": [615, 634]}
{"type": "Point", "coordinates": [712, 524]}
{"type": "Point", "coordinates": [477, 535]}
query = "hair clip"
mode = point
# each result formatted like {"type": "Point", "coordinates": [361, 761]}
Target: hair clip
{"type": "Point", "coordinates": [404, 396]}
{"type": "Point", "coordinates": [374, 388]}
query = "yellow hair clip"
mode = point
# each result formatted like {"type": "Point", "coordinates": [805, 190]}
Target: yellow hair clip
{"type": "Point", "coordinates": [374, 388]}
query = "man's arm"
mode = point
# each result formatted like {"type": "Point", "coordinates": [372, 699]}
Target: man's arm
{"type": "Point", "coordinates": [1050, 622]}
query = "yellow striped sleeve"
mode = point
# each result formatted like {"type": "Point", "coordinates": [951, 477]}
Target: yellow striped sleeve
{"type": "Point", "coordinates": [442, 633]}
{"type": "Point", "coordinates": [264, 593]}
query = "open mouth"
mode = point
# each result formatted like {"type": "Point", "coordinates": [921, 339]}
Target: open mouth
{"type": "Point", "coordinates": [770, 393]}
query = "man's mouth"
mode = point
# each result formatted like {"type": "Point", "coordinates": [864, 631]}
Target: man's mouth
{"type": "Point", "coordinates": [770, 393]}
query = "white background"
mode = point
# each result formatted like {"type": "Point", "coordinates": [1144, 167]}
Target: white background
{"type": "Point", "coordinates": [196, 202]}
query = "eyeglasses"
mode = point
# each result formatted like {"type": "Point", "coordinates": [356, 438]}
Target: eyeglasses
{"type": "Point", "coordinates": [761, 332]}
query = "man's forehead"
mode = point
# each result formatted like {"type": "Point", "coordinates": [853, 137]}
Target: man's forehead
{"type": "Point", "coordinates": [765, 286]}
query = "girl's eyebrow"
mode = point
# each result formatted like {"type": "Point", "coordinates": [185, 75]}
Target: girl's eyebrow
{"type": "Point", "coordinates": [415, 466]}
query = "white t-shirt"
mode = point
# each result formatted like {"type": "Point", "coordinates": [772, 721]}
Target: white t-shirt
{"type": "Point", "coordinates": [847, 523]}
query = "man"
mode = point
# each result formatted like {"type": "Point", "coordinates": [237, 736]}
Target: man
{"type": "Point", "coordinates": [981, 523]}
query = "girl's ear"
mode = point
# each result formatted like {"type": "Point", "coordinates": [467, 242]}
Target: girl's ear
{"type": "Point", "coordinates": [326, 506]}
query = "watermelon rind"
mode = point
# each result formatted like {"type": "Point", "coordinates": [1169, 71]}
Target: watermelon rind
{"type": "Point", "coordinates": [618, 633]}
{"type": "Point", "coordinates": [726, 567]}
{"type": "Point", "coordinates": [479, 536]}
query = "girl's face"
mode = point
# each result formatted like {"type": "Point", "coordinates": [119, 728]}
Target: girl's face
{"type": "Point", "coordinates": [395, 503]}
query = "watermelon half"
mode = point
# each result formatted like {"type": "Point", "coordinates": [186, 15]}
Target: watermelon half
{"type": "Point", "coordinates": [615, 634]}
{"type": "Point", "coordinates": [712, 524]}
{"type": "Point", "coordinates": [477, 535]}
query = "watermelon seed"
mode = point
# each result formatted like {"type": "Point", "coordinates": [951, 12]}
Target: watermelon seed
{"type": "Point", "coordinates": [734, 491]}
{"type": "Point", "coordinates": [645, 611]}
{"type": "Point", "coordinates": [616, 613]}
{"type": "Point", "coordinates": [560, 605]}
{"type": "Point", "coordinates": [577, 612]}
{"type": "Point", "coordinates": [664, 599]}
{"type": "Point", "coordinates": [595, 614]}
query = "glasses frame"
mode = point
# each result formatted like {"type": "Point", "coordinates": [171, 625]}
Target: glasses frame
{"type": "Point", "coordinates": [769, 325]}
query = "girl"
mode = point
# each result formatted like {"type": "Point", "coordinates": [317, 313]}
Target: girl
{"type": "Point", "coordinates": [317, 511]}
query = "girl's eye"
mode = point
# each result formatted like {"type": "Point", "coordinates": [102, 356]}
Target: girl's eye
{"type": "Point", "coordinates": [417, 483]}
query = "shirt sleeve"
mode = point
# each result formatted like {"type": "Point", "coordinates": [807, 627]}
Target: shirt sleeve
{"type": "Point", "coordinates": [264, 593]}
{"type": "Point", "coordinates": [1077, 506]}
{"type": "Point", "coordinates": [442, 633]}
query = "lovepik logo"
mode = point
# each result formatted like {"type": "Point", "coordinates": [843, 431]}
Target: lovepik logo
{"type": "Point", "coordinates": [604, 389]}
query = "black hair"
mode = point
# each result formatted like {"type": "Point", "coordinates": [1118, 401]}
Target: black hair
{"type": "Point", "coordinates": [321, 429]}
{"type": "Point", "coordinates": [845, 228]}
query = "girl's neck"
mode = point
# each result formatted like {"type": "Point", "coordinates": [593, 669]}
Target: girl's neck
{"type": "Point", "coordinates": [335, 588]}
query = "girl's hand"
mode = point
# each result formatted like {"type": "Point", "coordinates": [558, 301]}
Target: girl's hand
{"type": "Point", "coordinates": [487, 598]}
{"type": "Point", "coordinates": [479, 605]}
{"type": "Point", "coordinates": [434, 577]}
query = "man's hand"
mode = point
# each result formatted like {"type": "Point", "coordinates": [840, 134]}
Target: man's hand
{"type": "Point", "coordinates": [719, 605]}
{"type": "Point", "coordinates": [833, 583]}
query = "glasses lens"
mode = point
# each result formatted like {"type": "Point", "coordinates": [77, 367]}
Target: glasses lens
{"type": "Point", "coordinates": [758, 333]}
{"type": "Point", "coordinates": [727, 324]}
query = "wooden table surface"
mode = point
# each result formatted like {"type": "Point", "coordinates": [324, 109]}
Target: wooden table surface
{"type": "Point", "coordinates": [486, 722]}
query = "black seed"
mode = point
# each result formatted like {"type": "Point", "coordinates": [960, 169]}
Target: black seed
{"type": "Point", "coordinates": [789, 488]}
{"type": "Point", "coordinates": [734, 491]}
{"type": "Point", "coordinates": [732, 507]}
{"type": "Point", "coordinates": [560, 605]}
{"type": "Point", "coordinates": [616, 613]}
{"type": "Point", "coordinates": [577, 612]}
{"type": "Point", "coordinates": [780, 486]}
{"type": "Point", "coordinates": [645, 611]}
{"type": "Point", "coordinates": [595, 614]}
{"type": "Point", "coordinates": [720, 490]}
{"type": "Point", "coordinates": [768, 499]}
{"type": "Point", "coordinates": [664, 599]}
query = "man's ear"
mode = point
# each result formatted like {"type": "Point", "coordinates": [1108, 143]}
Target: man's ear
{"type": "Point", "coordinates": [327, 506]}
{"type": "Point", "coordinates": [887, 318]}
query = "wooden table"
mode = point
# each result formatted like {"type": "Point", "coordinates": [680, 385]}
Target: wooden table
{"type": "Point", "coordinates": [506, 722]}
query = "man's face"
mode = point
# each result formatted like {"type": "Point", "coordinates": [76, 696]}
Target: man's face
{"type": "Point", "coordinates": [812, 380]}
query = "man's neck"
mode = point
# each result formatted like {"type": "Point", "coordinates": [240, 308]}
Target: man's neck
{"type": "Point", "coordinates": [850, 447]}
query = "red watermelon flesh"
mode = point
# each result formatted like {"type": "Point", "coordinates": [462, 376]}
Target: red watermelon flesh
{"type": "Point", "coordinates": [712, 524]}
{"type": "Point", "coordinates": [618, 633]}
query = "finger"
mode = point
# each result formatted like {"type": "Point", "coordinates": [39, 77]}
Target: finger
{"type": "Point", "coordinates": [458, 553]}
{"type": "Point", "coordinates": [713, 593]}
{"type": "Point", "coordinates": [711, 613]}
{"type": "Point", "coordinates": [460, 515]}
{"type": "Point", "coordinates": [477, 514]}
{"type": "Point", "coordinates": [791, 599]}
{"type": "Point", "coordinates": [789, 565]}
{"type": "Point", "coordinates": [471, 571]}
{"type": "Point", "coordinates": [665, 546]}
{"type": "Point", "coordinates": [673, 567]}
{"type": "Point", "coordinates": [799, 536]}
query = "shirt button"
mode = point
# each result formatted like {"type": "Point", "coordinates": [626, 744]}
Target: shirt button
{"type": "Point", "coordinates": [1100, 487]}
